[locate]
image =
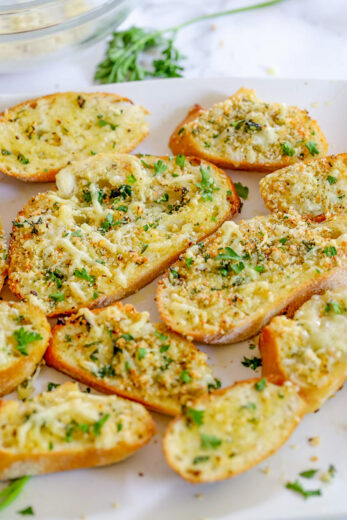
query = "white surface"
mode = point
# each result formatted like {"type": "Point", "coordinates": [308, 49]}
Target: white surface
{"type": "Point", "coordinates": [296, 38]}
{"type": "Point", "coordinates": [159, 494]}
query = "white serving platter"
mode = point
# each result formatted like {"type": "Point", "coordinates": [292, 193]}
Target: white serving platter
{"type": "Point", "coordinates": [144, 487]}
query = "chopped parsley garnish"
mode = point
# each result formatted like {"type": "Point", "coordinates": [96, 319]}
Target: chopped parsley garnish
{"type": "Point", "coordinates": [143, 248]}
{"type": "Point", "coordinates": [106, 371]}
{"type": "Point", "coordinates": [241, 190]}
{"type": "Point", "coordinates": [5, 152]}
{"type": "Point", "coordinates": [207, 185]}
{"type": "Point", "coordinates": [185, 377]}
{"type": "Point", "coordinates": [260, 385]}
{"type": "Point", "coordinates": [297, 487]}
{"type": "Point", "coordinates": [76, 233]}
{"type": "Point", "coordinates": [82, 273]}
{"type": "Point", "coordinates": [173, 273]}
{"type": "Point", "coordinates": [287, 149]}
{"type": "Point", "coordinates": [210, 441]}
{"type": "Point", "coordinates": [189, 261]}
{"type": "Point", "coordinates": [333, 307]}
{"type": "Point", "coordinates": [249, 406]}
{"type": "Point", "coordinates": [52, 386]}
{"type": "Point", "coordinates": [159, 167]}
{"type": "Point", "coordinates": [164, 198]}
{"type": "Point", "coordinates": [122, 208]}
{"type": "Point", "coordinates": [109, 222]}
{"type": "Point", "coordinates": [310, 473]}
{"type": "Point", "coordinates": [164, 348]}
{"type": "Point", "coordinates": [331, 179]}
{"type": "Point", "coordinates": [330, 251]}
{"type": "Point", "coordinates": [180, 160]}
{"type": "Point", "coordinates": [57, 297]}
{"type": "Point", "coordinates": [22, 159]}
{"type": "Point", "coordinates": [229, 254]}
{"type": "Point", "coordinates": [201, 458]}
{"type": "Point", "coordinates": [259, 268]}
{"type": "Point", "coordinates": [131, 179]}
{"type": "Point", "coordinates": [27, 511]}
{"type": "Point", "coordinates": [10, 493]}
{"type": "Point", "coordinates": [312, 148]}
{"type": "Point", "coordinates": [99, 424]}
{"type": "Point", "coordinates": [141, 353]}
{"type": "Point", "coordinates": [214, 386]}
{"type": "Point", "coordinates": [181, 130]}
{"type": "Point", "coordinates": [253, 363]}
{"type": "Point", "coordinates": [283, 240]}
{"type": "Point", "coordinates": [161, 336]}
{"type": "Point", "coordinates": [23, 338]}
{"type": "Point", "coordinates": [196, 416]}
{"type": "Point", "coordinates": [56, 276]}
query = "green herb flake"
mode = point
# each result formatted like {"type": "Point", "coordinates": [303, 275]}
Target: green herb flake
{"type": "Point", "coordinates": [310, 473]}
{"type": "Point", "coordinates": [330, 251]}
{"type": "Point", "coordinates": [82, 273]}
{"type": "Point", "coordinates": [161, 336]}
{"type": "Point", "coordinates": [200, 459]}
{"type": "Point", "coordinates": [253, 363]}
{"type": "Point", "coordinates": [131, 179]}
{"type": "Point", "coordinates": [23, 338]}
{"type": "Point", "coordinates": [196, 416]}
{"type": "Point", "coordinates": [287, 149]}
{"type": "Point", "coordinates": [312, 148]}
{"type": "Point", "coordinates": [189, 262]}
{"type": "Point", "coordinates": [210, 441]}
{"type": "Point", "coordinates": [52, 386]}
{"type": "Point", "coordinates": [141, 353]}
{"type": "Point", "coordinates": [260, 385]}
{"type": "Point", "coordinates": [241, 190]}
{"type": "Point", "coordinates": [333, 307]}
{"type": "Point", "coordinates": [97, 426]}
{"type": "Point", "coordinates": [297, 487]}
{"type": "Point", "coordinates": [180, 160]}
{"type": "Point", "coordinates": [207, 185]}
{"type": "Point", "coordinates": [22, 159]}
{"type": "Point", "coordinates": [331, 179]}
{"type": "Point", "coordinates": [181, 130]}
{"type": "Point", "coordinates": [159, 167]}
{"type": "Point", "coordinates": [259, 268]}
{"type": "Point", "coordinates": [27, 511]}
{"type": "Point", "coordinates": [185, 377]}
{"type": "Point", "coordinates": [57, 297]}
{"type": "Point", "coordinates": [164, 348]}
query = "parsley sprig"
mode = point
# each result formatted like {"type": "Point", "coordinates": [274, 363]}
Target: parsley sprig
{"type": "Point", "coordinates": [10, 493]}
{"type": "Point", "coordinates": [124, 55]}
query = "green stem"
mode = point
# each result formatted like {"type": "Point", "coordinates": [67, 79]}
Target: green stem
{"type": "Point", "coordinates": [12, 491]}
{"type": "Point", "coordinates": [222, 13]}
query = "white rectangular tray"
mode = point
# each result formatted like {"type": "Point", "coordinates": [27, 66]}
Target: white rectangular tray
{"type": "Point", "coordinates": [144, 487]}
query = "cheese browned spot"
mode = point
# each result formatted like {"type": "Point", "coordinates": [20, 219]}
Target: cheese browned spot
{"type": "Point", "coordinates": [113, 224]}
{"type": "Point", "coordinates": [41, 136]}
{"type": "Point", "coordinates": [67, 429]}
{"type": "Point", "coordinates": [315, 189]}
{"type": "Point", "coordinates": [310, 349]}
{"type": "Point", "coordinates": [229, 287]}
{"type": "Point", "coordinates": [118, 349]}
{"type": "Point", "coordinates": [232, 430]}
{"type": "Point", "coordinates": [248, 133]}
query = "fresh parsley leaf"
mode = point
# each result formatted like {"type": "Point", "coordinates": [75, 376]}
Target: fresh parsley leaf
{"type": "Point", "coordinates": [10, 493]}
{"type": "Point", "coordinates": [27, 511]}
{"type": "Point", "coordinates": [207, 185]}
{"type": "Point", "coordinates": [180, 160]}
{"type": "Point", "coordinates": [310, 473]}
{"type": "Point", "coordinates": [161, 336]}
{"type": "Point", "coordinates": [141, 353]}
{"type": "Point", "coordinates": [330, 251]}
{"type": "Point", "coordinates": [164, 348]}
{"type": "Point", "coordinates": [312, 148]}
{"type": "Point", "coordinates": [185, 377]}
{"type": "Point", "coordinates": [82, 273]}
{"type": "Point", "coordinates": [331, 179]}
{"type": "Point", "coordinates": [159, 167]}
{"type": "Point", "coordinates": [287, 149]}
{"type": "Point", "coordinates": [97, 426]}
{"type": "Point", "coordinates": [253, 363]}
{"type": "Point", "coordinates": [333, 307]}
{"type": "Point", "coordinates": [24, 337]}
{"type": "Point", "coordinates": [260, 385]}
{"type": "Point", "coordinates": [52, 386]}
{"type": "Point", "coordinates": [229, 254]}
{"type": "Point", "coordinates": [197, 416]}
{"type": "Point", "coordinates": [22, 159]}
{"type": "Point", "coordinates": [241, 190]}
{"type": "Point", "coordinates": [189, 262]}
{"type": "Point", "coordinates": [131, 179]}
{"type": "Point", "coordinates": [57, 297]}
{"type": "Point", "coordinates": [200, 459]}
{"type": "Point", "coordinates": [259, 268]}
{"type": "Point", "coordinates": [297, 487]}
{"type": "Point", "coordinates": [209, 441]}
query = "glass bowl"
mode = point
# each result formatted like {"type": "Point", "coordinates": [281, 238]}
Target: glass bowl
{"type": "Point", "coordinates": [34, 31]}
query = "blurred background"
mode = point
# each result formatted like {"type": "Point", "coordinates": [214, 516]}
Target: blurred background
{"type": "Point", "coordinates": [292, 38]}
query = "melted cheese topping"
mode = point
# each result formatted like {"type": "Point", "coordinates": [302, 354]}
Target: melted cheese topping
{"type": "Point", "coordinates": [313, 343]}
{"type": "Point", "coordinates": [70, 420]}
{"type": "Point", "coordinates": [114, 221]}
{"type": "Point", "coordinates": [246, 129]}
{"type": "Point", "coordinates": [3, 257]}
{"type": "Point", "coordinates": [239, 427]}
{"type": "Point", "coordinates": [315, 188]}
{"type": "Point", "coordinates": [123, 349]}
{"type": "Point", "coordinates": [249, 268]}
{"type": "Point", "coordinates": [16, 321]}
{"type": "Point", "coordinates": [50, 132]}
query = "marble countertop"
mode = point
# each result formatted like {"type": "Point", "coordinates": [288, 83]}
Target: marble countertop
{"type": "Point", "coordinates": [294, 39]}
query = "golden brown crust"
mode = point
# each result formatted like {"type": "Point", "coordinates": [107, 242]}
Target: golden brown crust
{"type": "Point", "coordinates": [15, 258]}
{"type": "Point", "coordinates": [23, 368]}
{"type": "Point", "coordinates": [204, 399]}
{"type": "Point", "coordinates": [49, 176]}
{"type": "Point", "coordinates": [182, 143]}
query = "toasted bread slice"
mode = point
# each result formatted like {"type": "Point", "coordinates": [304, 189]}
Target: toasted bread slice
{"type": "Point", "coordinates": [24, 336]}
{"type": "Point", "coordinates": [68, 429]}
{"type": "Point", "coordinates": [246, 133]}
{"type": "Point", "coordinates": [118, 350]}
{"type": "Point", "coordinates": [316, 189]}
{"type": "Point", "coordinates": [311, 349]}
{"type": "Point", "coordinates": [41, 136]}
{"type": "Point", "coordinates": [227, 289]}
{"type": "Point", "coordinates": [114, 223]}
{"type": "Point", "coordinates": [232, 430]}
{"type": "Point", "coordinates": [3, 257]}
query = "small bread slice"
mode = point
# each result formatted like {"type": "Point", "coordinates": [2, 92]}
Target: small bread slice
{"type": "Point", "coordinates": [232, 430]}
{"type": "Point", "coordinates": [24, 336]}
{"type": "Point", "coordinates": [114, 223]}
{"type": "Point", "coordinates": [3, 257]}
{"type": "Point", "coordinates": [118, 350]}
{"type": "Point", "coordinates": [316, 189]}
{"type": "Point", "coordinates": [246, 133]}
{"type": "Point", "coordinates": [310, 349]}
{"type": "Point", "coordinates": [69, 429]}
{"type": "Point", "coordinates": [41, 136]}
{"type": "Point", "coordinates": [227, 289]}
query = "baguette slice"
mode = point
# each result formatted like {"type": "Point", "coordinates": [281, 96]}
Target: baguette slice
{"type": "Point", "coordinates": [317, 189]}
{"type": "Point", "coordinates": [311, 349]}
{"type": "Point", "coordinates": [118, 350]}
{"type": "Point", "coordinates": [232, 430]}
{"type": "Point", "coordinates": [227, 289]}
{"type": "Point", "coordinates": [68, 429]}
{"type": "Point", "coordinates": [114, 223]}
{"type": "Point", "coordinates": [24, 336]}
{"type": "Point", "coordinates": [41, 136]}
{"type": "Point", "coordinates": [246, 133]}
{"type": "Point", "coordinates": [3, 257]}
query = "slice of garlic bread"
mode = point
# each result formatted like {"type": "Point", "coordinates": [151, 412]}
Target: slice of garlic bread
{"type": "Point", "coordinates": [69, 429]}
{"type": "Point", "coordinates": [3, 257]}
{"type": "Point", "coordinates": [41, 136]}
{"type": "Point", "coordinates": [246, 133]}
{"type": "Point", "coordinates": [232, 430]}
{"type": "Point", "coordinates": [114, 223]}
{"type": "Point", "coordinates": [24, 336]}
{"type": "Point", "coordinates": [316, 189]}
{"type": "Point", "coordinates": [310, 349]}
{"type": "Point", "coordinates": [118, 350]}
{"type": "Point", "coordinates": [226, 289]}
